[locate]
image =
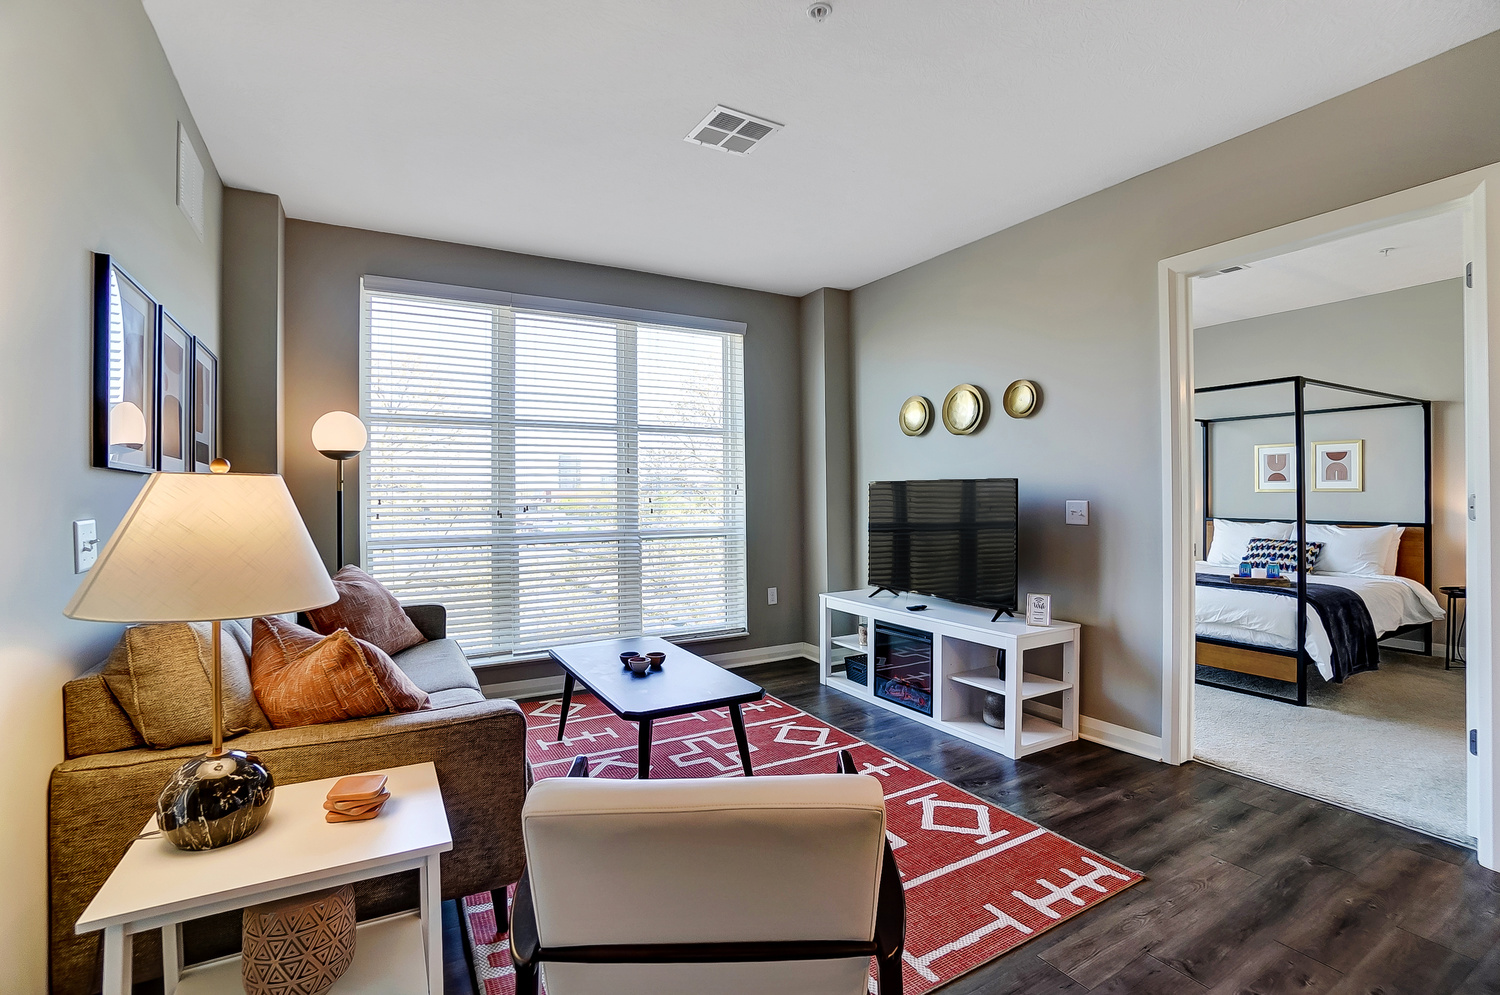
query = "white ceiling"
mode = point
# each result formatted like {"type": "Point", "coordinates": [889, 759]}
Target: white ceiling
{"type": "Point", "coordinates": [1423, 251]}
{"type": "Point", "coordinates": [556, 127]}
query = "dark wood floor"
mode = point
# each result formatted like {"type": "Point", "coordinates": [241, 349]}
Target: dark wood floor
{"type": "Point", "coordinates": [1249, 889]}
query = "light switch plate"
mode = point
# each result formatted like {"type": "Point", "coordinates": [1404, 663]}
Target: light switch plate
{"type": "Point", "coordinates": [770, 595]}
{"type": "Point", "coordinates": [1078, 512]}
{"type": "Point", "coordinates": [85, 544]}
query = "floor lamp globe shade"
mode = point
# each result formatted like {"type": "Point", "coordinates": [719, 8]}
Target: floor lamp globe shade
{"type": "Point", "coordinates": [203, 547]}
{"type": "Point", "coordinates": [339, 435]}
{"type": "Point", "coordinates": [213, 801]}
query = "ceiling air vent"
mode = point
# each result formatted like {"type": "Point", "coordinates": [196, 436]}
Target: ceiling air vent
{"type": "Point", "coordinates": [731, 130]}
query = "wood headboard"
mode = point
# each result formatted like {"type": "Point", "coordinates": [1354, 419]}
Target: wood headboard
{"type": "Point", "coordinates": [1411, 555]}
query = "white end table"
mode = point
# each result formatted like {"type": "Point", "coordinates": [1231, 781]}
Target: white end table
{"type": "Point", "coordinates": [295, 851]}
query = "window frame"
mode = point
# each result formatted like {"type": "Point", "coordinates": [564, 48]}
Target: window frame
{"type": "Point", "coordinates": [732, 432]}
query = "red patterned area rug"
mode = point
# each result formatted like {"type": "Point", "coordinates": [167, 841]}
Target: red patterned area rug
{"type": "Point", "coordinates": [979, 880]}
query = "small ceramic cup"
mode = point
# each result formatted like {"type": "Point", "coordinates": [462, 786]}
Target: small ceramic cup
{"type": "Point", "coordinates": [638, 665]}
{"type": "Point", "coordinates": [656, 659]}
{"type": "Point", "coordinates": [625, 657]}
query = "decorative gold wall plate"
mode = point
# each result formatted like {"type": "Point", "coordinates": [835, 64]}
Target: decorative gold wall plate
{"type": "Point", "coordinates": [916, 415]}
{"type": "Point", "coordinates": [1021, 399]}
{"type": "Point", "coordinates": [963, 409]}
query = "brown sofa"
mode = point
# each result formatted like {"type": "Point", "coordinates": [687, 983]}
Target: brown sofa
{"type": "Point", "coordinates": [101, 796]}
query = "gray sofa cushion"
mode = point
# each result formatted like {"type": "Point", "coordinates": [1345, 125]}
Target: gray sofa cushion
{"type": "Point", "coordinates": [437, 665]}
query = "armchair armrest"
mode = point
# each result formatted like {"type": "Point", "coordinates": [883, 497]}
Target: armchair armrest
{"type": "Point", "coordinates": [431, 620]}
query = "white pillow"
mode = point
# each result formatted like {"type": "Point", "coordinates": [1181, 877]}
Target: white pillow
{"type": "Point", "coordinates": [1367, 552]}
{"type": "Point", "coordinates": [1232, 538]}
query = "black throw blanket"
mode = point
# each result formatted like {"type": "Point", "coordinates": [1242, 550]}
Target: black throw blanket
{"type": "Point", "coordinates": [1356, 645]}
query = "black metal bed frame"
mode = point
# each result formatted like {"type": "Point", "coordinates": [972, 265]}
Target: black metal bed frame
{"type": "Point", "coordinates": [1299, 415]}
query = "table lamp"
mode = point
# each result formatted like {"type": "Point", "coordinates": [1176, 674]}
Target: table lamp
{"type": "Point", "coordinates": [340, 436]}
{"type": "Point", "coordinates": [203, 547]}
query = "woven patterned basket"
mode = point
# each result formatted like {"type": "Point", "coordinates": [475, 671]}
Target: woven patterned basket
{"type": "Point", "coordinates": [299, 945]}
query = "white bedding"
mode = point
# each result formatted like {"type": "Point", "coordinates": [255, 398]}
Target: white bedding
{"type": "Point", "coordinates": [1270, 620]}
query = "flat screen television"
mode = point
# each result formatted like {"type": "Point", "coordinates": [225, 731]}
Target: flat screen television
{"type": "Point", "coordinates": [950, 539]}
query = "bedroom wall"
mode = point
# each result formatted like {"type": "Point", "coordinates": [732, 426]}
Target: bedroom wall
{"type": "Point", "coordinates": [1408, 342]}
{"type": "Point", "coordinates": [89, 110]}
{"type": "Point", "coordinates": [324, 264]}
{"type": "Point", "coordinates": [1069, 299]}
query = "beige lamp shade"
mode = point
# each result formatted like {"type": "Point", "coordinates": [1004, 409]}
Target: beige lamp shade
{"type": "Point", "coordinates": [339, 435]}
{"type": "Point", "coordinates": [198, 547]}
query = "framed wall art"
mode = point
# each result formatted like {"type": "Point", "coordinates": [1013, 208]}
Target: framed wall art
{"type": "Point", "coordinates": [1276, 467]}
{"type": "Point", "coordinates": [204, 424]}
{"type": "Point", "coordinates": [174, 380]}
{"type": "Point", "coordinates": [126, 334]}
{"type": "Point", "coordinates": [1339, 466]}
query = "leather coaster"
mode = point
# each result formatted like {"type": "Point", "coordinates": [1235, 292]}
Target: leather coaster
{"type": "Point", "coordinates": [357, 788]}
{"type": "Point", "coordinates": [355, 808]}
{"type": "Point", "coordinates": [347, 817]}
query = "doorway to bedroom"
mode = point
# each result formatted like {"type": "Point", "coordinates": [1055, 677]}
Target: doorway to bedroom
{"type": "Point", "coordinates": [1329, 393]}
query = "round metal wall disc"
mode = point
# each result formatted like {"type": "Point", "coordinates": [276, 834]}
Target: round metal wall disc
{"type": "Point", "coordinates": [916, 415]}
{"type": "Point", "coordinates": [963, 409]}
{"type": "Point", "coordinates": [1021, 399]}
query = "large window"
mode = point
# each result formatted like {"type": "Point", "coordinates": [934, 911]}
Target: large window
{"type": "Point", "coordinates": [553, 472]}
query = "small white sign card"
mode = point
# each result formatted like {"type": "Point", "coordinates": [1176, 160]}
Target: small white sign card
{"type": "Point", "coordinates": [1038, 609]}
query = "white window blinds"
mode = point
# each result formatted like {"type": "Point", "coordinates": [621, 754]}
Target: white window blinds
{"type": "Point", "coordinates": [553, 474]}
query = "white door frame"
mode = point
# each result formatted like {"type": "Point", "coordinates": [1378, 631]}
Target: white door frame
{"type": "Point", "coordinates": [1476, 195]}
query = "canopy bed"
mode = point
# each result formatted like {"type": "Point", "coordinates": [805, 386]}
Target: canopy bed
{"type": "Point", "coordinates": [1375, 574]}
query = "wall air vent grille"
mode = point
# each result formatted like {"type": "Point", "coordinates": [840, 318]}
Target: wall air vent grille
{"type": "Point", "coordinates": [731, 130]}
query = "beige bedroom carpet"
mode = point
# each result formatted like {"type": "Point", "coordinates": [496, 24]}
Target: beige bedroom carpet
{"type": "Point", "coordinates": [1389, 743]}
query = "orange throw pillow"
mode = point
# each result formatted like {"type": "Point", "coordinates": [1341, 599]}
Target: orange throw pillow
{"type": "Point", "coordinates": [368, 610]}
{"type": "Point", "coordinates": [301, 678]}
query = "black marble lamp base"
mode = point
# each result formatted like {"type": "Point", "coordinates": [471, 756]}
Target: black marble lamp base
{"type": "Point", "coordinates": [213, 801]}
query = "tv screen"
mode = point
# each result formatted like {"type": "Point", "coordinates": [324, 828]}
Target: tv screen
{"type": "Point", "coordinates": [950, 539]}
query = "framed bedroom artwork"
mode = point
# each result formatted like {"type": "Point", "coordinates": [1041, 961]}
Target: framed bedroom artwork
{"type": "Point", "coordinates": [174, 378]}
{"type": "Point", "coordinates": [204, 427]}
{"type": "Point", "coordinates": [126, 336]}
{"type": "Point", "coordinates": [1339, 466]}
{"type": "Point", "coordinates": [1276, 467]}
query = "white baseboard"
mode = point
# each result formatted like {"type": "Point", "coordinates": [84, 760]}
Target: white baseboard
{"type": "Point", "coordinates": [765, 654]}
{"type": "Point", "coordinates": [539, 687]}
{"type": "Point", "coordinates": [1107, 733]}
{"type": "Point", "coordinates": [1120, 738]}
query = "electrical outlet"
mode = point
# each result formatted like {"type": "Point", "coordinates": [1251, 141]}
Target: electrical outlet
{"type": "Point", "coordinates": [770, 595]}
{"type": "Point", "coordinates": [85, 545]}
{"type": "Point", "coordinates": [1078, 512]}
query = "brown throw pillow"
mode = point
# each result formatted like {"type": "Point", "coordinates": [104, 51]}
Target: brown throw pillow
{"type": "Point", "coordinates": [302, 678]}
{"type": "Point", "coordinates": [368, 610]}
{"type": "Point", "coordinates": [159, 674]}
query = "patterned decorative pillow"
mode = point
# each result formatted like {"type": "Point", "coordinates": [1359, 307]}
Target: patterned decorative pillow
{"type": "Point", "coordinates": [1282, 551]}
{"type": "Point", "coordinates": [301, 678]}
{"type": "Point", "coordinates": [368, 610]}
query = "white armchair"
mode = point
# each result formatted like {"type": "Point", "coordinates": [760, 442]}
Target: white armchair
{"type": "Point", "coordinates": [757, 884]}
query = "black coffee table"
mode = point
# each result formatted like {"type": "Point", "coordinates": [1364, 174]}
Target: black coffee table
{"type": "Point", "coordinates": [686, 683]}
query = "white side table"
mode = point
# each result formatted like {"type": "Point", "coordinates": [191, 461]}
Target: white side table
{"type": "Point", "coordinates": [295, 851]}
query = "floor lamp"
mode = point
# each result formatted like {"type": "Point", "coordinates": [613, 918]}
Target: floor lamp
{"type": "Point", "coordinates": [203, 547]}
{"type": "Point", "coordinates": [340, 436]}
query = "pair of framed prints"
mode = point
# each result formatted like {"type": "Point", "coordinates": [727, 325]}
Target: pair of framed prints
{"type": "Point", "coordinates": [156, 387]}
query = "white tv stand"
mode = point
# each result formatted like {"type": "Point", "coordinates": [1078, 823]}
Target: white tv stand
{"type": "Point", "coordinates": [964, 641]}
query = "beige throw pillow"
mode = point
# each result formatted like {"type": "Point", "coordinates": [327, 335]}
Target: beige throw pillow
{"type": "Point", "coordinates": [159, 674]}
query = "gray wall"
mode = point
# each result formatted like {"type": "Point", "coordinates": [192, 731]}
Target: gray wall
{"type": "Point", "coordinates": [324, 264]}
{"type": "Point", "coordinates": [88, 152]}
{"type": "Point", "coordinates": [1069, 299]}
{"type": "Point", "coordinates": [827, 441]}
{"type": "Point", "coordinates": [254, 249]}
{"type": "Point", "coordinates": [1408, 342]}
